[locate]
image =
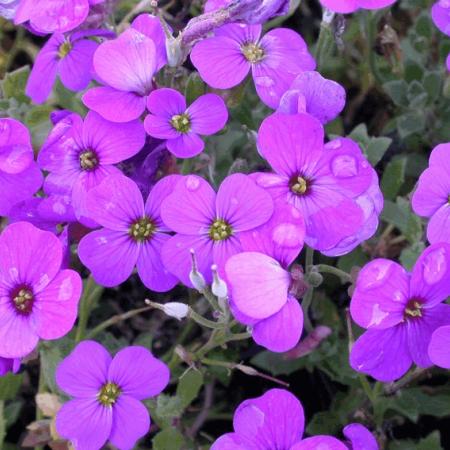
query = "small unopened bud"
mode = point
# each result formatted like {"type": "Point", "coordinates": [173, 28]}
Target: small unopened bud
{"type": "Point", "coordinates": [315, 279]}
{"type": "Point", "coordinates": [218, 287]}
{"type": "Point", "coordinates": [197, 279]}
{"type": "Point", "coordinates": [175, 52]}
{"type": "Point", "coordinates": [176, 310]}
{"type": "Point", "coordinates": [310, 343]}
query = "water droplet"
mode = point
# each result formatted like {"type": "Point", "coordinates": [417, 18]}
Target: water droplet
{"type": "Point", "coordinates": [434, 266]}
{"type": "Point", "coordinates": [344, 166]}
{"type": "Point", "coordinates": [192, 183]}
{"type": "Point", "coordinates": [374, 274]}
{"type": "Point", "coordinates": [265, 82]}
{"type": "Point", "coordinates": [287, 235]}
{"type": "Point", "coordinates": [334, 144]}
{"type": "Point", "coordinates": [234, 201]}
{"type": "Point", "coordinates": [377, 315]}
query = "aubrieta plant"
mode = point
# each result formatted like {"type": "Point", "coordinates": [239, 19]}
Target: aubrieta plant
{"type": "Point", "coordinates": [219, 216]}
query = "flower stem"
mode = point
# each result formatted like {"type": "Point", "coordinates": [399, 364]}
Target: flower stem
{"type": "Point", "coordinates": [344, 276]}
{"type": "Point", "coordinates": [307, 299]}
{"type": "Point", "coordinates": [325, 43]}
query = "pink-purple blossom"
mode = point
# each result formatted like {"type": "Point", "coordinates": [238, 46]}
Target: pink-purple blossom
{"type": "Point", "coordinates": [400, 311]}
{"type": "Point", "coordinates": [132, 233]}
{"type": "Point", "coordinates": [38, 299]}
{"type": "Point", "coordinates": [275, 59]}
{"type": "Point", "coordinates": [171, 119]}
{"type": "Point", "coordinates": [107, 395]}
{"type": "Point", "coordinates": [333, 185]}
{"type": "Point", "coordinates": [349, 6]}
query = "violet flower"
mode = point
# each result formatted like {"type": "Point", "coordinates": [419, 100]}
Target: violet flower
{"type": "Point", "coordinates": [69, 57]}
{"type": "Point", "coordinates": [277, 420]}
{"type": "Point", "coordinates": [9, 365]}
{"type": "Point", "coordinates": [210, 223]}
{"type": "Point", "coordinates": [180, 125]}
{"type": "Point", "coordinates": [38, 299]}
{"type": "Point", "coordinates": [311, 93]}
{"type": "Point", "coordinates": [225, 59]}
{"type": "Point", "coordinates": [80, 154]}
{"type": "Point", "coordinates": [108, 394]}
{"type": "Point", "coordinates": [132, 234]}
{"type": "Point", "coordinates": [260, 272]}
{"type": "Point", "coordinates": [8, 8]}
{"type": "Point", "coordinates": [20, 176]}
{"type": "Point", "coordinates": [349, 6]}
{"type": "Point", "coordinates": [431, 197]}
{"type": "Point", "coordinates": [126, 66]}
{"type": "Point", "coordinates": [332, 185]}
{"type": "Point", "coordinates": [53, 16]}
{"type": "Point", "coordinates": [400, 312]}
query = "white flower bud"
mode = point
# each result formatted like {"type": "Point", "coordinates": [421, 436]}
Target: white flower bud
{"type": "Point", "coordinates": [197, 279]}
{"type": "Point", "coordinates": [175, 309]}
{"type": "Point", "coordinates": [218, 287]}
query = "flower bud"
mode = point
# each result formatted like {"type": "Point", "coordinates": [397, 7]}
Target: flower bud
{"type": "Point", "coordinates": [197, 279]}
{"type": "Point", "coordinates": [175, 309]}
{"type": "Point", "coordinates": [218, 287]}
{"type": "Point", "coordinates": [315, 279]}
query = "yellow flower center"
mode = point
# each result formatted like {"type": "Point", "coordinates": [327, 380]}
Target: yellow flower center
{"type": "Point", "coordinates": [299, 185]}
{"type": "Point", "coordinates": [109, 394]}
{"type": "Point", "coordinates": [220, 230]}
{"type": "Point", "coordinates": [413, 309]}
{"type": "Point", "coordinates": [88, 160]}
{"type": "Point", "coordinates": [181, 123]}
{"type": "Point", "coordinates": [253, 53]}
{"type": "Point", "coordinates": [142, 230]}
{"type": "Point", "coordinates": [64, 49]}
{"type": "Point", "coordinates": [23, 300]}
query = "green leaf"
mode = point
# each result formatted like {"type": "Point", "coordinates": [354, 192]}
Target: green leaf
{"type": "Point", "coordinates": [393, 178]}
{"type": "Point", "coordinates": [377, 148]}
{"type": "Point", "coordinates": [431, 442]}
{"type": "Point", "coordinates": [168, 439]}
{"type": "Point", "coordinates": [14, 83]}
{"type": "Point", "coordinates": [432, 83]}
{"type": "Point", "coordinates": [324, 422]}
{"type": "Point", "coordinates": [397, 90]}
{"type": "Point", "coordinates": [409, 255]}
{"type": "Point", "coordinates": [195, 87]}
{"type": "Point", "coordinates": [410, 123]}
{"type": "Point", "coordinates": [189, 386]}
{"type": "Point", "coordinates": [10, 385]}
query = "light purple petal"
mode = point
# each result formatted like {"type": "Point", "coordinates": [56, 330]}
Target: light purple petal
{"type": "Point", "coordinates": [439, 348]}
{"type": "Point", "coordinates": [341, 6]}
{"type": "Point", "coordinates": [438, 229]}
{"type": "Point", "coordinates": [160, 127]}
{"type": "Point", "coordinates": [381, 295]}
{"type": "Point", "coordinates": [186, 146]}
{"type": "Point", "coordinates": [16, 152]}
{"type": "Point", "coordinates": [223, 251]}
{"type": "Point", "coordinates": [440, 16]}
{"type": "Point", "coordinates": [85, 422]}
{"type": "Point", "coordinates": [138, 373]}
{"type": "Point", "coordinates": [242, 203]}
{"type": "Point", "coordinates": [208, 114]}
{"type": "Point", "coordinates": [320, 442]}
{"type": "Point", "coordinates": [282, 331]}
{"type": "Point", "coordinates": [382, 354]}
{"type": "Point", "coordinates": [131, 421]}
{"type": "Point", "coordinates": [253, 278]}
{"type": "Point", "coordinates": [166, 103]}
{"type": "Point", "coordinates": [232, 441]}
{"type": "Point", "coordinates": [84, 372]}
{"type": "Point", "coordinates": [115, 105]}
{"type": "Point", "coordinates": [360, 437]}
{"type": "Point", "coordinates": [109, 255]}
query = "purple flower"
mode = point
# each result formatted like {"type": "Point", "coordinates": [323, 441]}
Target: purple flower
{"type": "Point", "coordinates": [53, 16]}
{"type": "Point", "coordinates": [8, 8]}
{"type": "Point", "coordinates": [432, 195]}
{"type": "Point", "coordinates": [9, 365]}
{"type": "Point", "coordinates": [171, 119]}
{"type": "Point", "coordinates": [275, 421]}
{"type": "Point", "coordinates": [210, 223]}
{"type": "Point", "coordinates": [440, 13]}
{"type": "Point", "coordinates": [69, 57]}
{"type": "Point", "coordinates": [349, 6]}
{"type": "Point", "coordinates": [132, 233]}
{"type": "Point", "coordinates": [260, 272]}
{"type": "Point", "coordinates": [311, 93]}
{"type": "Point", "coordinates": [20, 176]}
{"type": "Point", "coordinates": [107, 395]}
{"type": "Point", "coordinates": [359, 437]}
{"type": "Point", "coordinates": [400, 312]}
{"type": "Point", "coordinates": [126, 66]}
{"type": "Point", "coordinates": [38, 299]}
{"type": "Point", "coordinates": [80, 154]}
{"type": "Point", "coordinates": [225, 59]}
{"type": "Point", "coordinates": [439, 348]}
{"type": "Point", "coordinates": [326, 183]}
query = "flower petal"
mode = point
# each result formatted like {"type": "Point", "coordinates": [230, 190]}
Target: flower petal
{"type": "Point", "coordinates": [208, 114]}
{"type": "Point", "coordinates": [360, 437]}
{"type": "Point", "coordinates": [438, 229]}
{"type": "Point", "coordinates": [166, 102]}
{"type": "Point", "coordinates": [320, 442]}
{"type": "Point", "coordinates": [186, 145]}
{"type": "Point", "coordinates": [439, 348]}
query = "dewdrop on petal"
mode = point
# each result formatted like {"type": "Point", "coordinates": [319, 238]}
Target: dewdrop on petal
{"type": "Point", "coordinates": [197, 279]}
{"type": "Point", "coordinates": [218, 287]}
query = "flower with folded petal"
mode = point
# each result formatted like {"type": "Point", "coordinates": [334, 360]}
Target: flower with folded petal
{"type": "Point", "coordinates": [400, 311]}
{"type": "Point", "coordinates": [171, 119]}
{"type": "Point", "coordinates": [38, 299]}
{"type": "Point", "coordinates": [132, 233]}
{"type": "Point", "coordinates": [9, 365]}
{"type": "Point", "coordinates": [210, 224]}
{"type": "Point", "coordinates": [260, 272]}
{"type": "Point", "coordinates": [276, 421]}
{"type": "Point", "coordinates": [333, 185]}
{"type": "Point", "coordinates": [107, 395]}
{"type": "Point", "coordinates": [432, 195]}
{"type": "Point", "coordinates": [80, 154]}
{"type": "Point", "coordinates": [20, 176]}
{"type": "Point", "coordinates": [349, 6]}
{"type": "Point", "coordinates": [69, 57]}
{"type": "Point", "coordinates": [275, 59]}
{"type": "Point", "coordinates": [126, 67]}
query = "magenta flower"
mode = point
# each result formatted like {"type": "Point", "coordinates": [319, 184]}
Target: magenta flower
{"type": "Point", "coordinates": [9, 365]}
{"type": "Point", "coordinates": [38, 299]}
{"type": "Point", "coordinates": [359, 437]}
{"type": "Point", "coordinates": [80, 154]}
{"type": "Point", "coordinates": [400, 312]}
{"type": "Point", "coordinates": [69, 57]}
{"type": "Point", "coordinates": [132, 233]}
{"type": "Point", "coordinates": [225, 59]}
{"type": "Point", "coordinates": [210, 223]}
{"type": "Point", "coordinates": [53, 16]}
{"type": "Point", "coordinates": [276, 421]}
{"type": "Point", "coordinates": [440, 13]}
{"type": "Point", "coordinates": [20, 176]}
{"type": "Point", "coordinates": [107, 395]}
{"type": "Point", "coordinates": [126, 66]}
{"type": "Point", "coordinates": [331, 185]}
{"type": "Point", "coordinates": [432, 195]}
{"type": "Point", "coordinates": [260, 272]}
{"type": "Point", "coordinates": [8, 8]}
{"type": "Point", "coordinates": [349, 6]}
{"type": "Point", "coordinates": [439, 348]}
{"type": "Point", "coordinates": [311, 93]}
{"type": "Point", "coordinates": [171, 119]}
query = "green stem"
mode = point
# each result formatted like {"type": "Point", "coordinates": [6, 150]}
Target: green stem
{"type": "Point", "coordinates": [186, 166]}
{"type": "Point", "coordinates": [325, 43]}
{"type": "Point", "coordinates": [14, 50]}
{"type": "Point", "coordinates": [366, 387]}
{"type": "Point", "coordinates": [2, 424]}
{"type": "Point", "coordinates": [91, 291]}
{"type": "Point", "coordinates": [202, 321]}
{"type": "Point", "coordinates": [371, 22]}
{"type": "Point", "coordinates": [308, 297]}
{"type": "Point", "coordinates": [211, 298]}
{"type": "Point", "coordinates": [344, 276]}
